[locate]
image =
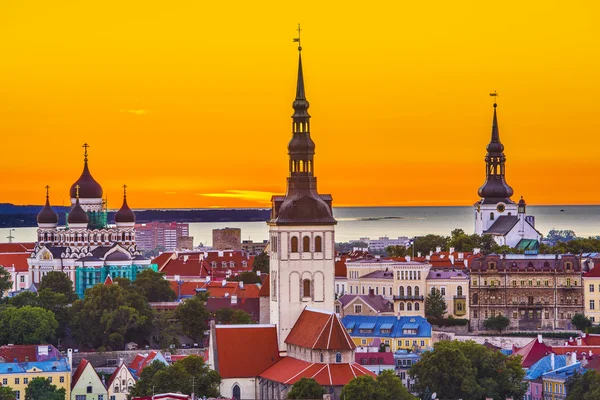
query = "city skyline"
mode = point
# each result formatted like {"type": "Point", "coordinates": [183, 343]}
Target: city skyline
{"type": "Point", "coordinates": [198, 114]}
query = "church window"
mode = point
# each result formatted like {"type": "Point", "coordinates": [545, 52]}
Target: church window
{"type": "Point", "coordinates": [318, 244]}
{"type": "Point", "coordinates": [401, 307]}
{"type": "Point", "coordinates": [492, 216]}
{"type": "Point", "coordinates": [294, 244]}
{"type": "Point", "coordinates": [416, 306]}
{"type": "Point", "coordinates": [236, 392]}
{"type": "Point", "coordinates": [306, 288]}
{"type": "Point", "coordinates": [338, 357]}
{"type": "Point", "coordinates": [306, 244]}
{"type": "Point", "coordinates": [408, 306]}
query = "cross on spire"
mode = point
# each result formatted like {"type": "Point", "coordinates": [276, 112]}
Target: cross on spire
{"type": "Point", "coordinates": [124, 190]}
{"type": "Point", "coordinates": [298, 38]}
{"type": "Point", "coordinates": [494, 95]}
{"type": "Point", "coordinates": [77, 191]}
{"type": "Point", "coordinates": [47, 191]}
{"type": "Point", "coordinates": [85, 154]}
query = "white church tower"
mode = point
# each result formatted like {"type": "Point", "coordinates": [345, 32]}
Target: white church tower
{"type": "Point", "coordinates": [301, 230]}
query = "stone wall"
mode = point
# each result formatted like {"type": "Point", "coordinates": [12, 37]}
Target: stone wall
{"type": "Point", "coordinates": [227, 239]}
{"type": "Point", "coordinates": [505, 342]}
{"type": "Point", "coordinates": [458, 329]}
{"type": "Point", "coordinates": [111, 359]}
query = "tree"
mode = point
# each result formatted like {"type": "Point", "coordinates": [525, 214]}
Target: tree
{"type": "Point", "coordinates": [42, 389]}
{"type": "Point", "coordinates": [306, 388]}
{"type": "Point", "coordinates": [27, 325]}
{"type": "Point", "coordinates": [25, 298]}
{"type": "Point", "coordinates": [166, 329]}
{"type": "Point", "coordinates": [261, 263]}
{"type": "Point", "coordinates": [581, 322]}
{"type": "Point", "coordinates": [5, 280]}
{"type": "Point", "coordinates": [391, 387]}
{"type": "Point", "coordinates": [247, 277]}
{"type": "Point", "coordinates": [584, 387]}
{"type": "Point", "coordinates": [360, 388]}
{"type": "Point", "coordinates": [154, 286]}
{"type": "Point", "coordinates": [497, 323]}
{"type": "Point", "coordinates": [228, 316]}
{"type": "Point", "coordinates": [178, 377]}
{"type": "Point", "coordinates": [469, 371]}
{"type": "Point", "coordinates": [192, 314]}
{"type": "Point", "coordinates": [58, 282]}
{"type": "Point", "coordinates": [435, 304]}
{"type": "Point", "coordinates": [6, 393]}
{"type": "Point", "coordinates": [428, 243]}
{"type": "Point", "coordinates": [398, 251]}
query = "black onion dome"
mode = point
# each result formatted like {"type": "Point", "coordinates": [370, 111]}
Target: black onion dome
{"type": "Point", "coordinates": [124, 214]}
{"type": "Point", "coordinates": [78, 215]}
{"type": "Point", "coordinates": [117, 256]}
{"type": "Point", "coordinates": [47, 215]}
{"type": "Point", "coordinates": [88, 187]}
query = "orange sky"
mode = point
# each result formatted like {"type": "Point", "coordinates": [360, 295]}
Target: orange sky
{"type": "Point", "coordinates": [189, 102]}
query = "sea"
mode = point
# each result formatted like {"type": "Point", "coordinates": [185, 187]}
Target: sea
{"type": "Point", "coordinates": [393, 222]}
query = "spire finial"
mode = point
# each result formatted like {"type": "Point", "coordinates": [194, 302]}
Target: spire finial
{"type": "Point", "coordinates": [495, 95]}
{"type": "Point", "coordinates": [47, 191]}
{"type": "Point", "coordinates": [77, 191]}
{"type": "Point", "coordinates": [298, 38]}
{"type": "Point", "coordinates": [124, 190]}
{"type": "Point", "coordinates": [85, 154]}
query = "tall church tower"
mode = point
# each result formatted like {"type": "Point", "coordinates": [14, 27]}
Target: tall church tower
{"type": "Point", "coordinates": [301, 231]}
{"type": "Point", "coordinates": [495, 193]}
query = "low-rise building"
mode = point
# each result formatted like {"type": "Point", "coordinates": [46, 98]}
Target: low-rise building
{"type": "Point", "coordinates": [555, 382]}
{"type": "Point", "coordinates": [370, 304]}
{"type": "Point", "coordinates": [591, 294]}
{"type": "Point", "coordinates": [120, 383]}
{"type": "Point", "coordinates": [375, 361]}
{"type": "Point", "coordinates": [86, 384]}
{"type": "Point", "coordinates": [410, 333]}
{"type": "Point", "coordinates": [454, 287]}
{"type": "Point", "coordinates": [404, 360]}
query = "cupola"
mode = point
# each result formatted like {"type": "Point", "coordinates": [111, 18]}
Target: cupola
{"type": "Point", "coordinates": [47, 218]}
{"type": "Point", "coordinates": [89, 188]}
{"type": "Point", "coordinates": [125, 217]}
{"type": "Point", "coordinates": [78, 218]}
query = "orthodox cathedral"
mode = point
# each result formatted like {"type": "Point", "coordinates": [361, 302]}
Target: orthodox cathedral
{"type": "Point", "coordinates": [87, 249]}
{"type": "Point", "coordinates": [305, 337]}
{"type": "Point", "coordinates": [496, 214]}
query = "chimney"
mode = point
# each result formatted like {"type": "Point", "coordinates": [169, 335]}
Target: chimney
{"type": "Point", "coordinates": [418, 254]}
{"type": "Point", "coordinates": [185, 258]}
{"type": "Point", "coordinates": [578, 341]}
{"type": "Point", "coordinates": [428, 257]}
{"type": "Point", "coordinates": [223, 283]}
{"type": "Point", "coordinates": [233, 299]}
{"type": "Point", "coordinates": [451, 250]}
{"type": "Point", "coordinates": [407, 258]}
{"type": "Point", "coordinates": [430, 252]}
{"type": "Point", "coordinates": [70, 357]}
{"type": "Point", "coordinates": [540, 338]}
{"type": "Point", "coordinates": [573, 357]}
{"type": "Point", "coordinates": [583, 335]}
{"type": "Point", "coordinates": [121, 361]}
{"type": "Point", "coordinates": [438, 249]}
{"type": "Point", "coordinates": [591, 353]}
{"type": "Point", "coordinates": [241, 285]}
{"type": "Point", "coordinates": [476, 250]}
{"type": "Point", "coordinates": [451, 257]}
{"type": "Point", "coordinates": [552, 363]}
{"type": "Point", "coordinates": [371, 292]}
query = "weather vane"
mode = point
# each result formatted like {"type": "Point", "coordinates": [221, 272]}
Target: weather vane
{"type": "Point", "coordinates": [298, 38]}
{"type": "Point", "coordinates": [494, 95]}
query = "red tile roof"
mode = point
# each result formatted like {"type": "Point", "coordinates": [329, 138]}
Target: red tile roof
{"type": "Point", "coordinates": [317, 329]}
{"type": "Point", "coordinates": [249, 305]}
{"type": "Point", "coordinates": [340, 269]}
{"type": "Point", "coordinates": [163, 259]}
{"type": "Point", "coordinates": [579, 350]}
{"type": "Point", "coordinates": [594, 363]}
{"type": "Point", "coordinates": [588, 340]}
{"type": "Point", "coordinates": [244, 351]}
{"type": "Point", "coordinates": [16, 247]}
{"type": "Point", "coordinates": [16, 260]}
{"type": "Point", "coordinates": [265, 289]}
{"type": "Point", "coordinates": [593, 273]}
{"type": "Point", "coordinates": [108, 281]}
{"type": "Point", "coordinates": [79, 372]}
{"type": "Point", "coordinates": [187, 288]}
{"type": "Point", "coordinates": [290, 370]}
{"type": "Point", "coordinates": [532, 352]}
{"type": "Point", "coordinates": [22, 353]}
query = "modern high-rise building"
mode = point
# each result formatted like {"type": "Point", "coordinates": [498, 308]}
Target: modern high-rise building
{"type": "Point", "coordinates": [164, 235]}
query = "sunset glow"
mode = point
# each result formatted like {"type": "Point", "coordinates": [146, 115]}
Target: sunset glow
{"type": "Point", "coordinates": [189, 102]}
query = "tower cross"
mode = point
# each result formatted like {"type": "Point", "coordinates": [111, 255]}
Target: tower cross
{"type": "Point", "coordinates": [494, 95]}
{"type": "Point", "coordinates": [124, 190]}
{"type": "Point", "coordinates": [85, 154]}
{"type": "Point", "coordinates": [47, 191]}
{"type": "Point", "coordinates": [298, 38]}
{"type": "Point", "coordinates": [77, 191]}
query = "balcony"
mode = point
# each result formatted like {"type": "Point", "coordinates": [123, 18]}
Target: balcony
{"type": "Point", "coordinates": [405, 298]}
{"type": "Point", "coordinates": [459, 297]}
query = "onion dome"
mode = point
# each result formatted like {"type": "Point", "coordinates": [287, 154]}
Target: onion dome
{"type": "Point", "coordinates": [78, 218]}
{"type": "Point", "coordinates": [47, 218]}
{"type": "Point", "coordinates": [522, 206]}
{"type": "Point", "coordinates": [88, 187]}
{"type": "Point", "coordinates": [117, 256]}
{"type": "Point", "coordinates": [125, 216]}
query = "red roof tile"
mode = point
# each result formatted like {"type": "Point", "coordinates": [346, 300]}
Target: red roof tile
{"type": "Point", "coordinates": [532, 352]}
{"type": "Point", "coordinates": [265, 289]}
{"type": "Point", "coordinates": [16, 247]}
{"type": "Point", "coordinates": [290, 370]}
{"type": "Point", "coordinates": [593, 273]}
{"type": "Point", "coordinates": [79, 371]}
{"type": "Point", "coordinates": [244, 351]}
{"type": "Point", "coordinates": [16, 260]}
{"type": "Point", "coordinates": [316, 329]}
{"type": "Point", "coordinates": [108, 281]}
{"type": "Point", "coordinates": [340, 269]}
{"type": "Point", "coordinates": [162, 260]}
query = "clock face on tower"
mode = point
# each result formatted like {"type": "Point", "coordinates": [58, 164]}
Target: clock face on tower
{"type": "Point", "coordinates": [500, 207]}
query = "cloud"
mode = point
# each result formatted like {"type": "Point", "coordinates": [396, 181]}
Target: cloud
{"type": "Point", "coordinates": [251, 195]}
{"type": "Point", "coordinates": [137, 112]}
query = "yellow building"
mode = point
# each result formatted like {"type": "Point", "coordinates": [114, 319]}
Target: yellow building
{"type": "Point", "coordinates": [22, 364]}
{"type": "Point", "coordinates": [410, 333]}
{"type": "Point", "coordinates": [410, 287]}
{"type": "Point", "coordinates": [454, 286]}
{"type": "Point", "coordinates": [591, 294]}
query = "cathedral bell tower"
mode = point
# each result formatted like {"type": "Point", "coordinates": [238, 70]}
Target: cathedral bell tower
{"type": "Point", "coordinates": [495, 193]}
{"type": "Point", "coordinates": [301, 230]}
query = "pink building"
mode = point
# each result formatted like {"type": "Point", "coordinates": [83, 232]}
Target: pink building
{"type": "Point", "coordinates": [163, 234]}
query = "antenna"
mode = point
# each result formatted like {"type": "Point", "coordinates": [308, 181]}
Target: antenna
{"type": "Point", "coordinates": [10, 237]}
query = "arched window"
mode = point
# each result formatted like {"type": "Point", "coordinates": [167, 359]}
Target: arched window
{"type": "Point", "coordinates": [416, 290]}
{"type": "Point", "coordinates": [306, 288]}
{"type": "Point", "coordinates": [408, 306]}
{"type": "Point", "coordinates": [492, 216]}
{"type": "Point", "coordinates": [416, 306]}
{"type": "Point", "coordinates": [294, 244]}
{"type": "Point", "coordinates": [306, 244]}
{"type": "Point", "coordinates": [409, 291]}
{"type": "Point", "coordinates": [318, 244]}
{"type": "Point", "coordinates": [401, 291]}
{"type": "Point", "coordinates": [338, 357]}
{"type": "Point", "coordinates": [401, 307]}
{"type": "Point", "coordinates": [459, 291]}
{"type": "Point", "coordinates": [236, 392]}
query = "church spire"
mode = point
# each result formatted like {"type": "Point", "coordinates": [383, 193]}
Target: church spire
{"type": "Point", "coordinates": [495, 189]}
